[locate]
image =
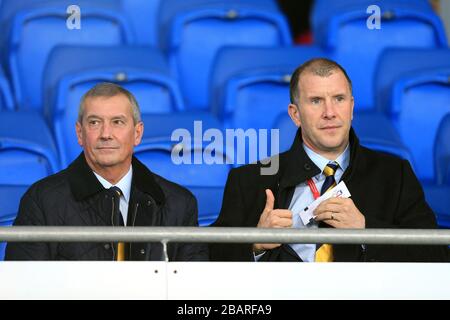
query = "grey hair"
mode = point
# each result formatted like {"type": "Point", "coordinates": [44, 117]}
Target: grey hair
{"type": "Point", "coordinates": [321, 67]}
{"type": "Point", "coordinates": [108, 89]}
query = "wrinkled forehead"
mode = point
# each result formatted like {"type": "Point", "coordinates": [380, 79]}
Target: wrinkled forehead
{"type": "Point", "coordinates": [331, 83]}
{"type": "Point", "coordinates": [108, 107]}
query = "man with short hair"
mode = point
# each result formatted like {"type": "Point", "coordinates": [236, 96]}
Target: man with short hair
{"type": "Point", "coordinates": [384, 190]}
{"type": "Point", "coordinates": [106, 186]}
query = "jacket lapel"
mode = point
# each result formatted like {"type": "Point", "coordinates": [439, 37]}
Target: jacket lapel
{"type": "Point", "coordinates": [89, 193]}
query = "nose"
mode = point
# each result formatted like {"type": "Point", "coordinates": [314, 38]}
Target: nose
{"type": "Point", "coordinates": [329, 111]}
{"type": "Point", "coordinates": [106, 131]}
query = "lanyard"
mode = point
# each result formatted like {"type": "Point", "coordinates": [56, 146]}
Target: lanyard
{"type": "Point", "coordinates": [313, 188]}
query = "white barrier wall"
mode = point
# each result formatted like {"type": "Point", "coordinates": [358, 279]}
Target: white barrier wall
{"type": "Point", "coordinates": [214, 280]}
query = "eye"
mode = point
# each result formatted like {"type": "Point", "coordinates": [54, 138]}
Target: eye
{"type": "Point", "coordinates": [118, 122]}
{"type": "Point", "coordinates": [315, 100]}
{"type": "Point", "coordinates": [93, 122]}
{"type": "Point", "coordinates": [340, 98]}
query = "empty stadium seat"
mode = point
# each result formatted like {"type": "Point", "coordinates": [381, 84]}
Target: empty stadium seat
{"type": "Point", "coordinates": [250, 86]}
{"type": "Point", "coordinates": [205, 181]}
{"type": "Point", "coordinates": [36, 28]}
{"type": "Point", "coordinates": [193, 30]}
{"type": "Point", "coordinates": [142, 70]}
{"type": "Point", "coordinates": [9, 204]}
{"type": "Point", "coordinates": [412, 88]}
{"type": "Point", "coordinates": [6, 99]}
{"type": "Point", "coordinates": [442, 152]}
{"type": "Point", "coordinates": [161, 126]}
{"type": "Point", "coordinates": [437, 192]}
{"type": "Point", "coordinates": [342, 28]}
{"type": "Point", "coordinates": [438, 198]}
{"type": "Point", "coordinates": [27, 154]}
{"type": "Point", "coordinates": [27, 150]}
{"type": "Point", "coordinates": [143, 16]}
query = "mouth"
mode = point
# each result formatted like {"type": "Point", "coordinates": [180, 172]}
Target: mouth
{"type": "Point", "coordinates": [107, 148]}
{"type": "Point", "coordinates": [330, 127]}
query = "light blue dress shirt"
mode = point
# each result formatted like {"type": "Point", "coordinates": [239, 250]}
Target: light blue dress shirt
{"type": "Point", "coordinates": [125, 185]}
{"type": "Point", "coordinates": [303, 197]}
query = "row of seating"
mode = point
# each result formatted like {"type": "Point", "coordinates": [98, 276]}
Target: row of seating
{"type": "Point", "coordinates": [250, 89]}
{"type": "Point", "coordinates": [191, 32]}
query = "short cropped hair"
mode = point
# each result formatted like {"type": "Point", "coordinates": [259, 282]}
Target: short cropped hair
{"type": "Point", "coordinates": [108, 89]}
{"type": "Point", "coordinates": [321, 67]}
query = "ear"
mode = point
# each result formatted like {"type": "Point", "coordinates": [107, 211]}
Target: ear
{"type": "Point", "coordinates": [294, 113]}
{"type": "Point", "coordinates": [138, 132]}
{"type": "Point", "coordinates": [79, 131]}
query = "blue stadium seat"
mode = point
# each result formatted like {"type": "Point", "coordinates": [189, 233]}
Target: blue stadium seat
{"type": "Point", "coordinates": [373, 130]}
{"type": "Point", "coordinates": [438, 198]}
{"type": "Point", "coordinates": [340, 26]}
{"type": "Point", "coordinates": [161, 126]}
{"type": "Point", "coordinates": [442, 152]}
{"type": "Point", "coordinates": [438, 193]}
{"type": "Point", "coordinates": [250, 86]}
{"type": "Point", "coordinates": [205, 181]}
{"type": "Point", "coordinates": [412, 88]}
{"type": "Point", "coordinates": [9, 204]}
{"type": "Point", "coordinates": [27, 150]}
{"type": "Point", "coordinates": [27, 154]}
{"type": "Point", "coordinates": [38, 27]}
{"type": "Point", "coordinates": [143, 16]}
{"type": "Point", "coordinates": [6, 99]}
{"type": "Point", "coordinates": [142, 70]}
{"type": "Point", "coordinates": [192, 31]}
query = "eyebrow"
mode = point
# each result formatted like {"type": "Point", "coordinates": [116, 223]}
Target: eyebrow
{"type": "Point", "coordinates": [94, 116]}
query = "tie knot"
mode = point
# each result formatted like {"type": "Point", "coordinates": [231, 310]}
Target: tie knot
{"type": "Point", "coordinates": [116, 190]}
{"type": "Point", "coordinates": [330, 169]}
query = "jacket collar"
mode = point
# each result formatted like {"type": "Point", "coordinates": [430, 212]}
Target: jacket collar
{"type": "Point", "coordinates": [84, 184]}
{"type": "Point", "coordinates": [298, 167]}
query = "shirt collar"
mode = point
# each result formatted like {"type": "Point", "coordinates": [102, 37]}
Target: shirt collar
{"type": "Point", "coordinates": [342, 160]}
{"type": "Point", "coordinates": [124, 184]}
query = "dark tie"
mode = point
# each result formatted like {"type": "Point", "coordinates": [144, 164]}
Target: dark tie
{"type": "Point", "coordinates": [325, 252]}
{"type": "Point", "coordinates": [117, 220]}
{"type": "Point", "coordinates": [329, 172]}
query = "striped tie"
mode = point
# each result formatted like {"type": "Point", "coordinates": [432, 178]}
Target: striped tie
{"type": "Point", "coordinates": [116, 193]}
{"type": "Point", "coordinates": [325, 252]}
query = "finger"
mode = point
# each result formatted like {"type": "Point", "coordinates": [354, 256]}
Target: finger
{"type": "Point", "coordinates": [337, 200]}
{"type": "Point", "coordinates": [270, 200]}
{"type": "Point", "coordinates": [283, 223]}
{"type": "Point", "coordinates": [277, 222]}
{"type": "Point", "coordinates": [329, 207]}
{"type": "Point", "coordinates": [324, 216]}
{"type": "Point", "coordinates": [282, 213]}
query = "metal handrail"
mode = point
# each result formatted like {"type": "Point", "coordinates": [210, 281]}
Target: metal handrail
{"type": "Point", "coordinates": [224, 235]}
